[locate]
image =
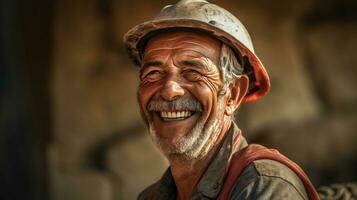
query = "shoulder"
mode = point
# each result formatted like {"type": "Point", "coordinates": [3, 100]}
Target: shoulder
{"type": "Point", "coordinates": [268, 179]}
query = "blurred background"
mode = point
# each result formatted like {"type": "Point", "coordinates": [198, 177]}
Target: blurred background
{"type": "Point", "coordinates": [69, 121]}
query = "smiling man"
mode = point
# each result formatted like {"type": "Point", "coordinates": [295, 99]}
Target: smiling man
{"type": "Point", "coordinates": [197, 65]}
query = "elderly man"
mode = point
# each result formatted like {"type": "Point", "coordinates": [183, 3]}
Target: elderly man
{"type": "Point", "coordinates": [197, 65]}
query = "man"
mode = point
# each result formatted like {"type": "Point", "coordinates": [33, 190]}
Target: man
{"type": "Point", "coordinates": [197, 65]}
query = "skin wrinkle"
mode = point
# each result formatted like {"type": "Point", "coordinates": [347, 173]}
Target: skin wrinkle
{"type": "Point", "coordinates": [208, 74]}
{"type": "Point", "coordinates": [196, 47]}
{"type": "Point", "coordinates": [179, 55]}
{"type": "Point", "coordinates": [188, 41]}
{"type": "Point", "coordinates": [211, 74]}
{"type": "Point", "coordinates": [179, 46]}
{"type": "Point", "coordinates": [183, 70]}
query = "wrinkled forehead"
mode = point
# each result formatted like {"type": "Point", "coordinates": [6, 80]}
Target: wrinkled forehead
{"type": "Point", "coordinates": [184, 42]}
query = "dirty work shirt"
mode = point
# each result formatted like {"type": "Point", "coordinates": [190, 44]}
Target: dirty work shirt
{"type": "Point", "coordinates": [261, 180]}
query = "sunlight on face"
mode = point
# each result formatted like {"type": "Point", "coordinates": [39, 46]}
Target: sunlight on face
{"type": "Point", "coordinates": [182, 67]}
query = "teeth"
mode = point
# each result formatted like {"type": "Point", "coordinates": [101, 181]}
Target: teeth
{"type": "Point", "coordinates": [175, 115]}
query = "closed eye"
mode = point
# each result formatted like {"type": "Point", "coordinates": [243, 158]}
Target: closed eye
{"type": "Point", "coordinates": [150, 66]}
{"type": "Point", "coordinates": [152, 75]}
{"type": "Point", "coordinates": [192, 75]}
{"type": "Point", "coordinates": [153, 72]}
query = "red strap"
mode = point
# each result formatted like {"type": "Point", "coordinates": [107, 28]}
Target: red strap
{"type": "Point", "coordinates": [257, 152]}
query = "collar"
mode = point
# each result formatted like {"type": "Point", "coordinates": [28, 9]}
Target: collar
{"type": "Point", "coordinates": [212, 181]}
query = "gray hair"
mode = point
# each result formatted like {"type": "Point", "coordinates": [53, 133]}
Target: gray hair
{"type": "Point", "coordinates": [230, 67]}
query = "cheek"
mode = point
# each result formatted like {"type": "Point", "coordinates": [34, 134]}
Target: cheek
{"type": "Point", "coordinates": [145, 94]}
{"type": "Point", "coordinates": [206, 93]}
{"type": "Point", "coordinates": [213, 87]}
{"type": "Point", "coordinates": [210, 81]}
{"type": "Point", "coordinates": [209, 86]}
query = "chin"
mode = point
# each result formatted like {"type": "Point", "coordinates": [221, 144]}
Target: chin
{"type": "Point", "coordinates": [195, 145]}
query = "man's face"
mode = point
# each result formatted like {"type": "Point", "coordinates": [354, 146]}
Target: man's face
{"type": "Point", "coordinates": [178, 92]}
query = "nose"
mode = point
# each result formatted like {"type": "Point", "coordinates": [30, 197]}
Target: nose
{"type": "Point", "coordinates": [171, 90]}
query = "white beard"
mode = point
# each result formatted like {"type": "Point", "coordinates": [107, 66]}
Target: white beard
{"type": "Point", "coordinates": [196, 144]}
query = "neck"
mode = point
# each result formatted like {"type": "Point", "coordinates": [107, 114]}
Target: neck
{"type": "Point", "coordinates": [188, 172]}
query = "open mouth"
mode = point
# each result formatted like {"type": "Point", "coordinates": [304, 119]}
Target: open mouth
{"type": "Point", "coordinates": [175, 115]}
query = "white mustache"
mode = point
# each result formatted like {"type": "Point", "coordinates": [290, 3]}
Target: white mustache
{"type": "Point", "coordinates": [178, 104]}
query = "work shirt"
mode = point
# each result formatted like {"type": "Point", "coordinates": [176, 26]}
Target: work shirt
{"type": "Point", "coordinates": [261, 180]}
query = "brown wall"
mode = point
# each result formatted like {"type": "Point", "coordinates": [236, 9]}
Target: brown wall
{"type": "Point", "coordinates": [100, 148]}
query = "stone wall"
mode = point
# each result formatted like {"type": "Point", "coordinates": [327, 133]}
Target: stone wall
{"type": "Point", "coordinates": [100, 148]}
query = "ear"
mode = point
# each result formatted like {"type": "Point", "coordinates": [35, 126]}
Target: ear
{"type": "Point", "coordinates": [236, 93]}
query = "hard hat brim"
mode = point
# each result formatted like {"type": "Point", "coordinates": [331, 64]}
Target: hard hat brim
{"type": "Point", "coordinates": [134, 36]}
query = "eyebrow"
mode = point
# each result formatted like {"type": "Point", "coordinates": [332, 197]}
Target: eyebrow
{"type": "Point", "coordinates": [150, 64]}
{"type": "Point", "coordinates": [193, 63]}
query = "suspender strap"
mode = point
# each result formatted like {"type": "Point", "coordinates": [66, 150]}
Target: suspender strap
{"type": "Point", "coordinates": [257, 152]}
